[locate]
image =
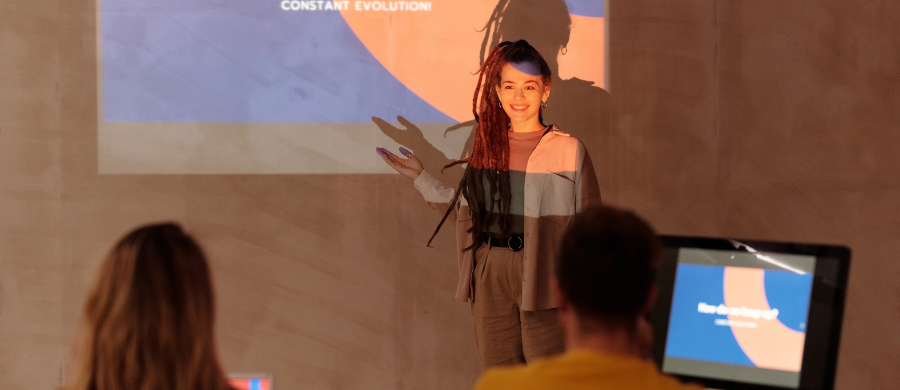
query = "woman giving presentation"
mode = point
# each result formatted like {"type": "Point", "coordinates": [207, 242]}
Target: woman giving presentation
{"type": "Point", "coordinates": [523, 182]}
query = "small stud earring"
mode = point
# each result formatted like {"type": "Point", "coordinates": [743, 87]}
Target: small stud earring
{"type": "Point", "coordinates": [544, 104]}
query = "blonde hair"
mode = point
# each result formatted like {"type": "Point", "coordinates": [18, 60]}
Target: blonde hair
{"type": "Point", "coordinates": [148, 319]}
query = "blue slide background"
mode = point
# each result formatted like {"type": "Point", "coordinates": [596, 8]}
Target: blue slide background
{"type": "Point", "coordinates": [590, 8]}
{"type": "Point", "coordinates": [790, 293]}
{"type": "Point", "coordinates": [249, 61]}
{"type": "Point", "coordinates": [693, 335]}
{"type": "Point", "coordinates": [243, 61]}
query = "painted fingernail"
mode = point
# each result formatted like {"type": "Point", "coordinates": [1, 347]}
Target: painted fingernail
{"type": "Point", "coordinates": [404, 151]}
{"type": "Point", "coordinates": [380, 151]}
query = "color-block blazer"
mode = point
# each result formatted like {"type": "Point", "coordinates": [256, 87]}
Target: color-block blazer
{"type": "Point", "coordinates": [559, 181]}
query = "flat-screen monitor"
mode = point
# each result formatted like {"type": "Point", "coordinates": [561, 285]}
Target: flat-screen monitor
{"type": "Point", "coordinates": [251, 381]}
{"type": "Point", "coordinates": [741, 314]}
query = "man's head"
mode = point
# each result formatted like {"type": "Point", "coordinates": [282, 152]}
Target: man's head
{"type": "Point", "coordinates": [606, 269]}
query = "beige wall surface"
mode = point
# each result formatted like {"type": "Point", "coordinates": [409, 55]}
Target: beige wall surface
{"type": "Point", "coordinates": [757, 119]}
{"type": "Point", "coordinates": [769, 120]}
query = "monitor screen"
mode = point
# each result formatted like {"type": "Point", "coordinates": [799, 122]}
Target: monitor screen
{"type": "Point", "coordinates": [740, 314]}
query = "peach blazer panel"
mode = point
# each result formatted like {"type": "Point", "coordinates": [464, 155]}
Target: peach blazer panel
{"type": "Point", "coordinates": [559, 182]}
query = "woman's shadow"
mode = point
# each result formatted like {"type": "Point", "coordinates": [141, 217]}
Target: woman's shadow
{"type": "Point", "coordinates": [576, 106]}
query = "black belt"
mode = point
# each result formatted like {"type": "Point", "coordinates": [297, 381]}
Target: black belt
{"type": "Point", "coordinates": [515, 242]}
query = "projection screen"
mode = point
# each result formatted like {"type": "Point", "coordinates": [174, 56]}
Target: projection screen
{"type": "Point", "coordinates": [295, 87]}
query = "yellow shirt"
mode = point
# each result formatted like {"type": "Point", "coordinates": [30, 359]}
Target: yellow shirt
{"type": "Point", "coordinates": [582, 369]}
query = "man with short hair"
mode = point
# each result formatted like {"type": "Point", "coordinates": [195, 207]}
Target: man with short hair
{"type": "Point", "coordinates": [604, 288]}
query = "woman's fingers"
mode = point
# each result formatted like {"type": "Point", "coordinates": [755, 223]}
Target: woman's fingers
{"type": "Point", "coordinates": [387, 156]}
{"type": "Point", "coordinates": [414, 159]}
{"type": "Point", "coordinates": [392, 159]}
{"type": "Point", "coordinates": [410, 156]}
{"type": "Point", "coordinates": [410, 167]}
{"type": "Point", "coordinates": [413, 162]}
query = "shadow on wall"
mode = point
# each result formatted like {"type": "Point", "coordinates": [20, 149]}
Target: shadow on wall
{"type": "Point", "coordinates": [576, 106]}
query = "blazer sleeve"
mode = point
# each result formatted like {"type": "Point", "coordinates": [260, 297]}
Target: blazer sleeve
{"type": "Point", "coordinates": [587, 189]}
{"type": "Point", "coordinates": [435, 193]}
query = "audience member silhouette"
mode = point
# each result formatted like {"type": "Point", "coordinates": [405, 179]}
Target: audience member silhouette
{"type": "Point", "coordinates": [604, 288]}
{"type": "Point", "coordinates": [148, 319]}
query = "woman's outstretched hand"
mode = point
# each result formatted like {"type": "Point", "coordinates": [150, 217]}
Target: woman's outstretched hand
{"type": "Point", "coordinates": [410, 166]}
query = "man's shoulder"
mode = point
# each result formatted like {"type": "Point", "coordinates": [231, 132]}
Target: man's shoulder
{"type": "Point", "coordinates": [501, 378]}
{"type": "Point", "coordinates": [512, 377]}
{"type": "Point", "coordinates": [558, 372]}
{"type": "Point", "coordinates": [581, 371]}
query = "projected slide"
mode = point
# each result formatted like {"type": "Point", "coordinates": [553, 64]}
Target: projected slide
{"type": "Point", "coordinates": [292, 86]}
{"type": "Point", "coordinates": [733, 322]}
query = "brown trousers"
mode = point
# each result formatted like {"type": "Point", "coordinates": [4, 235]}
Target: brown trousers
{"type": "Point", "coordinates": [505, 334]}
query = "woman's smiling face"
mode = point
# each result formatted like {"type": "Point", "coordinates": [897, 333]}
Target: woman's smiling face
{"type": "Point", "coordinates": [521, 91]}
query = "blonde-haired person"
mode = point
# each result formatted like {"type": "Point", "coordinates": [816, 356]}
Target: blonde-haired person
{"type": "Point", "coordinates": [148, 319]}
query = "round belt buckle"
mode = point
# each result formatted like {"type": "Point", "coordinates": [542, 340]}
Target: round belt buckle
{"type": "Point", "coordinates": [520, 243]}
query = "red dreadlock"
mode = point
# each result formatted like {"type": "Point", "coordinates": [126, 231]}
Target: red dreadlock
{"type": "Point", "coordinates": [490, 152]}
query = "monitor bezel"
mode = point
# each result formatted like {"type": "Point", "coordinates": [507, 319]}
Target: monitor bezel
{"type": "Point", "coordinates": [827, 298]}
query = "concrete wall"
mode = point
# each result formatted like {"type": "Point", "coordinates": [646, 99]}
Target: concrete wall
{"type": "Point", "coordinates": [757, 119]}
{"type": "Point", "coordinates": [769, 120]}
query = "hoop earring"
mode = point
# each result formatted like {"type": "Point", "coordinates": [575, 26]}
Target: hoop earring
{"type": "Point", "coordinates": [544, 104]}
{"type": "Point", "coordinates": [500, 103]}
